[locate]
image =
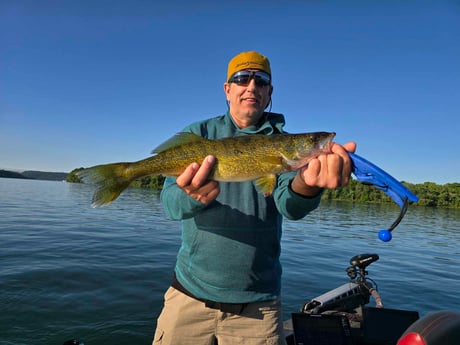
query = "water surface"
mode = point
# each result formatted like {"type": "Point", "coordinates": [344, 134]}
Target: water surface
{"type": "Point", "coordinates": [68, 270]}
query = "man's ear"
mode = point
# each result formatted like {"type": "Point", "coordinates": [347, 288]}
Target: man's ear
{"type": "Point", "coordinates": [271, 90]}
{"type": "Point", "coordinates": [226, 89]}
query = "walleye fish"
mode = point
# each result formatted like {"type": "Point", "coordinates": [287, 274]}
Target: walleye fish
{"type": "Point", "coordinates": [241, 158]}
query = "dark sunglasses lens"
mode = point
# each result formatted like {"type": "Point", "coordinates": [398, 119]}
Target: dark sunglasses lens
{"type": "Point", "coordinates": [262, 79]}
{"type": "Point", "coordinates": [241, 79]}
{"type": "Point", "coordinates": [244, 77]}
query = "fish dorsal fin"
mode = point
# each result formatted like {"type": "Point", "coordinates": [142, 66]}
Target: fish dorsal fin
{"type": "Point", "coordinates": [179, 139]}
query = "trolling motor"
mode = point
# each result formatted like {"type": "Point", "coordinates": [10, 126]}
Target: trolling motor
{"type": "Point", "coordinates": [360, 261]}
{"type": "Point", "coordinates": [351, 295]}
{"type": "Point", "coordinates": [368, 173]}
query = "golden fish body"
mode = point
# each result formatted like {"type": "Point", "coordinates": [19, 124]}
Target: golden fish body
{"type": "Point", "coordinates": [241, 158]}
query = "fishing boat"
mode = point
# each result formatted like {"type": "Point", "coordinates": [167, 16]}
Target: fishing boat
{"type": "Point", "coordinates": [342, 317]}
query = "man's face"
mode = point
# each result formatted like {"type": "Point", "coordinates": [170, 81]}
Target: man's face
{"type": "Point", "coordinates": [247, 101]}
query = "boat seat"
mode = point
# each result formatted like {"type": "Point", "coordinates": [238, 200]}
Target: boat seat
{"type": "Point", "coordinates": [436, 328]}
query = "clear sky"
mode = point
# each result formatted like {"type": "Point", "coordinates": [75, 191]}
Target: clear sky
{"type": "Point", "coordinates": [90, 82]}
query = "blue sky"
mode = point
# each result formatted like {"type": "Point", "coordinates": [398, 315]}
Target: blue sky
{"type": "Point", "coordinates": [90, 82]}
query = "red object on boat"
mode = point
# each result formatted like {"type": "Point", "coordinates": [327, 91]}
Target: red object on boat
{"type": "Point", "coordinates": [437, 328]}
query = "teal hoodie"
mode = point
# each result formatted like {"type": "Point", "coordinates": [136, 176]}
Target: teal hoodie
{"type": "Point", "coordinates": [230, 248]}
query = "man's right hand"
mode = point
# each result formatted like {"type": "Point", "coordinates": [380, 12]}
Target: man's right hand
{"type": "Point", "coordinates": [194, 181]}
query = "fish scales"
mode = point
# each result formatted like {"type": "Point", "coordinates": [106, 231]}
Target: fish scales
{"type": "Point", "coordinates": [248, 158]}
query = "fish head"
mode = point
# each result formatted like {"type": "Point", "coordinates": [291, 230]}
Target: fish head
{"type": "Point", "coordinates": [314, 143]}
{"type": "Point", "coordinates": [308, 146]}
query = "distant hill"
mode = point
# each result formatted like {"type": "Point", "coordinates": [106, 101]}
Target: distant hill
{"type": "Point", "coordinates": [44, 175]}
{"type": "Point", "coordinates": [11, 174]}
{"type": "Point", "coordinates": [35, 175]}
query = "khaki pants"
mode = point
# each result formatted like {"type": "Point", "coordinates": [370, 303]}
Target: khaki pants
{"type": "Point", "coordinates": [185, 320]}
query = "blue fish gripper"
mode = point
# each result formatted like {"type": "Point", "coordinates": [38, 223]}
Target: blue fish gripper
{"type": "Point", "coordinates": [368, 173]}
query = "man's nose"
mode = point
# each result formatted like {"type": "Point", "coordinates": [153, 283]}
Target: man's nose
{"type": "Point", "coordinates": [252, 84]}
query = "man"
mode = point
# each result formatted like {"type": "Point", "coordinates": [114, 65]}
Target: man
{"type": "Point", "coordinates": [226, 286]}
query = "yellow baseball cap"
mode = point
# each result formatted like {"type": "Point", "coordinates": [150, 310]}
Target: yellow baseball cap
{"type": "Point", "coordinates": [248, 60]}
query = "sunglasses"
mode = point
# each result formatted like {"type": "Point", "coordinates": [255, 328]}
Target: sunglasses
{"type": "Point", "coordinates": [244, 77]}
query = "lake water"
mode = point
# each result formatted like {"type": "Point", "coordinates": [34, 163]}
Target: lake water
{"type": "Point", "coordinates": [70, 271]}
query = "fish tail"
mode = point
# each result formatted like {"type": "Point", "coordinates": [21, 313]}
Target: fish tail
{"type": "Point", "coordinates": [110, 180]}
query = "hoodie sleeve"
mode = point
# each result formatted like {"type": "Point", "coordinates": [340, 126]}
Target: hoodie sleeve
{"type": "Point", "coordinates": [290, 204]}
{"type": "Point", "coordinates": [176, 203]}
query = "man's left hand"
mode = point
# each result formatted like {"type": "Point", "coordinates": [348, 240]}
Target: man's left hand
{"type": "Point", "coordinates": [330, 170]}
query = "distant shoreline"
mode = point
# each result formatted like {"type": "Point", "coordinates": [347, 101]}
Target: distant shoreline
{"type": "Point", "coordinates": [34, 175]}
{"type": "Point", "coordinates": [430, 193]}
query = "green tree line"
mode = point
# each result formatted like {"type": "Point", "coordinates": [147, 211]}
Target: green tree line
{"type": "Point", "coordinates": [429, 193]}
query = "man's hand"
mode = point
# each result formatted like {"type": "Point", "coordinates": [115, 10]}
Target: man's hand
{"type": "Point", "coordinates": [330, 170]}
{"type": "Point", "coordinates": [194, 181]}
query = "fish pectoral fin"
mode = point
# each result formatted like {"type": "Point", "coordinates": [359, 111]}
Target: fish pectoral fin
{"type": "Point", "coordinates": [179, 139]}
{"type": "Point", "coordinates": [274, 160]}
{"type": "Point", "coordinates": [288, 164]}
{"type": "Point", "coordinates": [294, 164]}
{"type": "Point", "coordinates": [266, 184]}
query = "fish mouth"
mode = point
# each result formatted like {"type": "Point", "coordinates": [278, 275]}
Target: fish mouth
{"type": "Point", "coordinates": [325, 144]}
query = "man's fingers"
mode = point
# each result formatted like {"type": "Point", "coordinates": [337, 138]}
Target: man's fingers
{"type": "Point", "coordinates": [186, 177]}
{"type": "Point", "coordinates": [203, 172]}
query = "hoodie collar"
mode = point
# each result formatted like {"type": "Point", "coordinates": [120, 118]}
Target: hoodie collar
{"type": "Point", "coordinates": [271, 123]}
